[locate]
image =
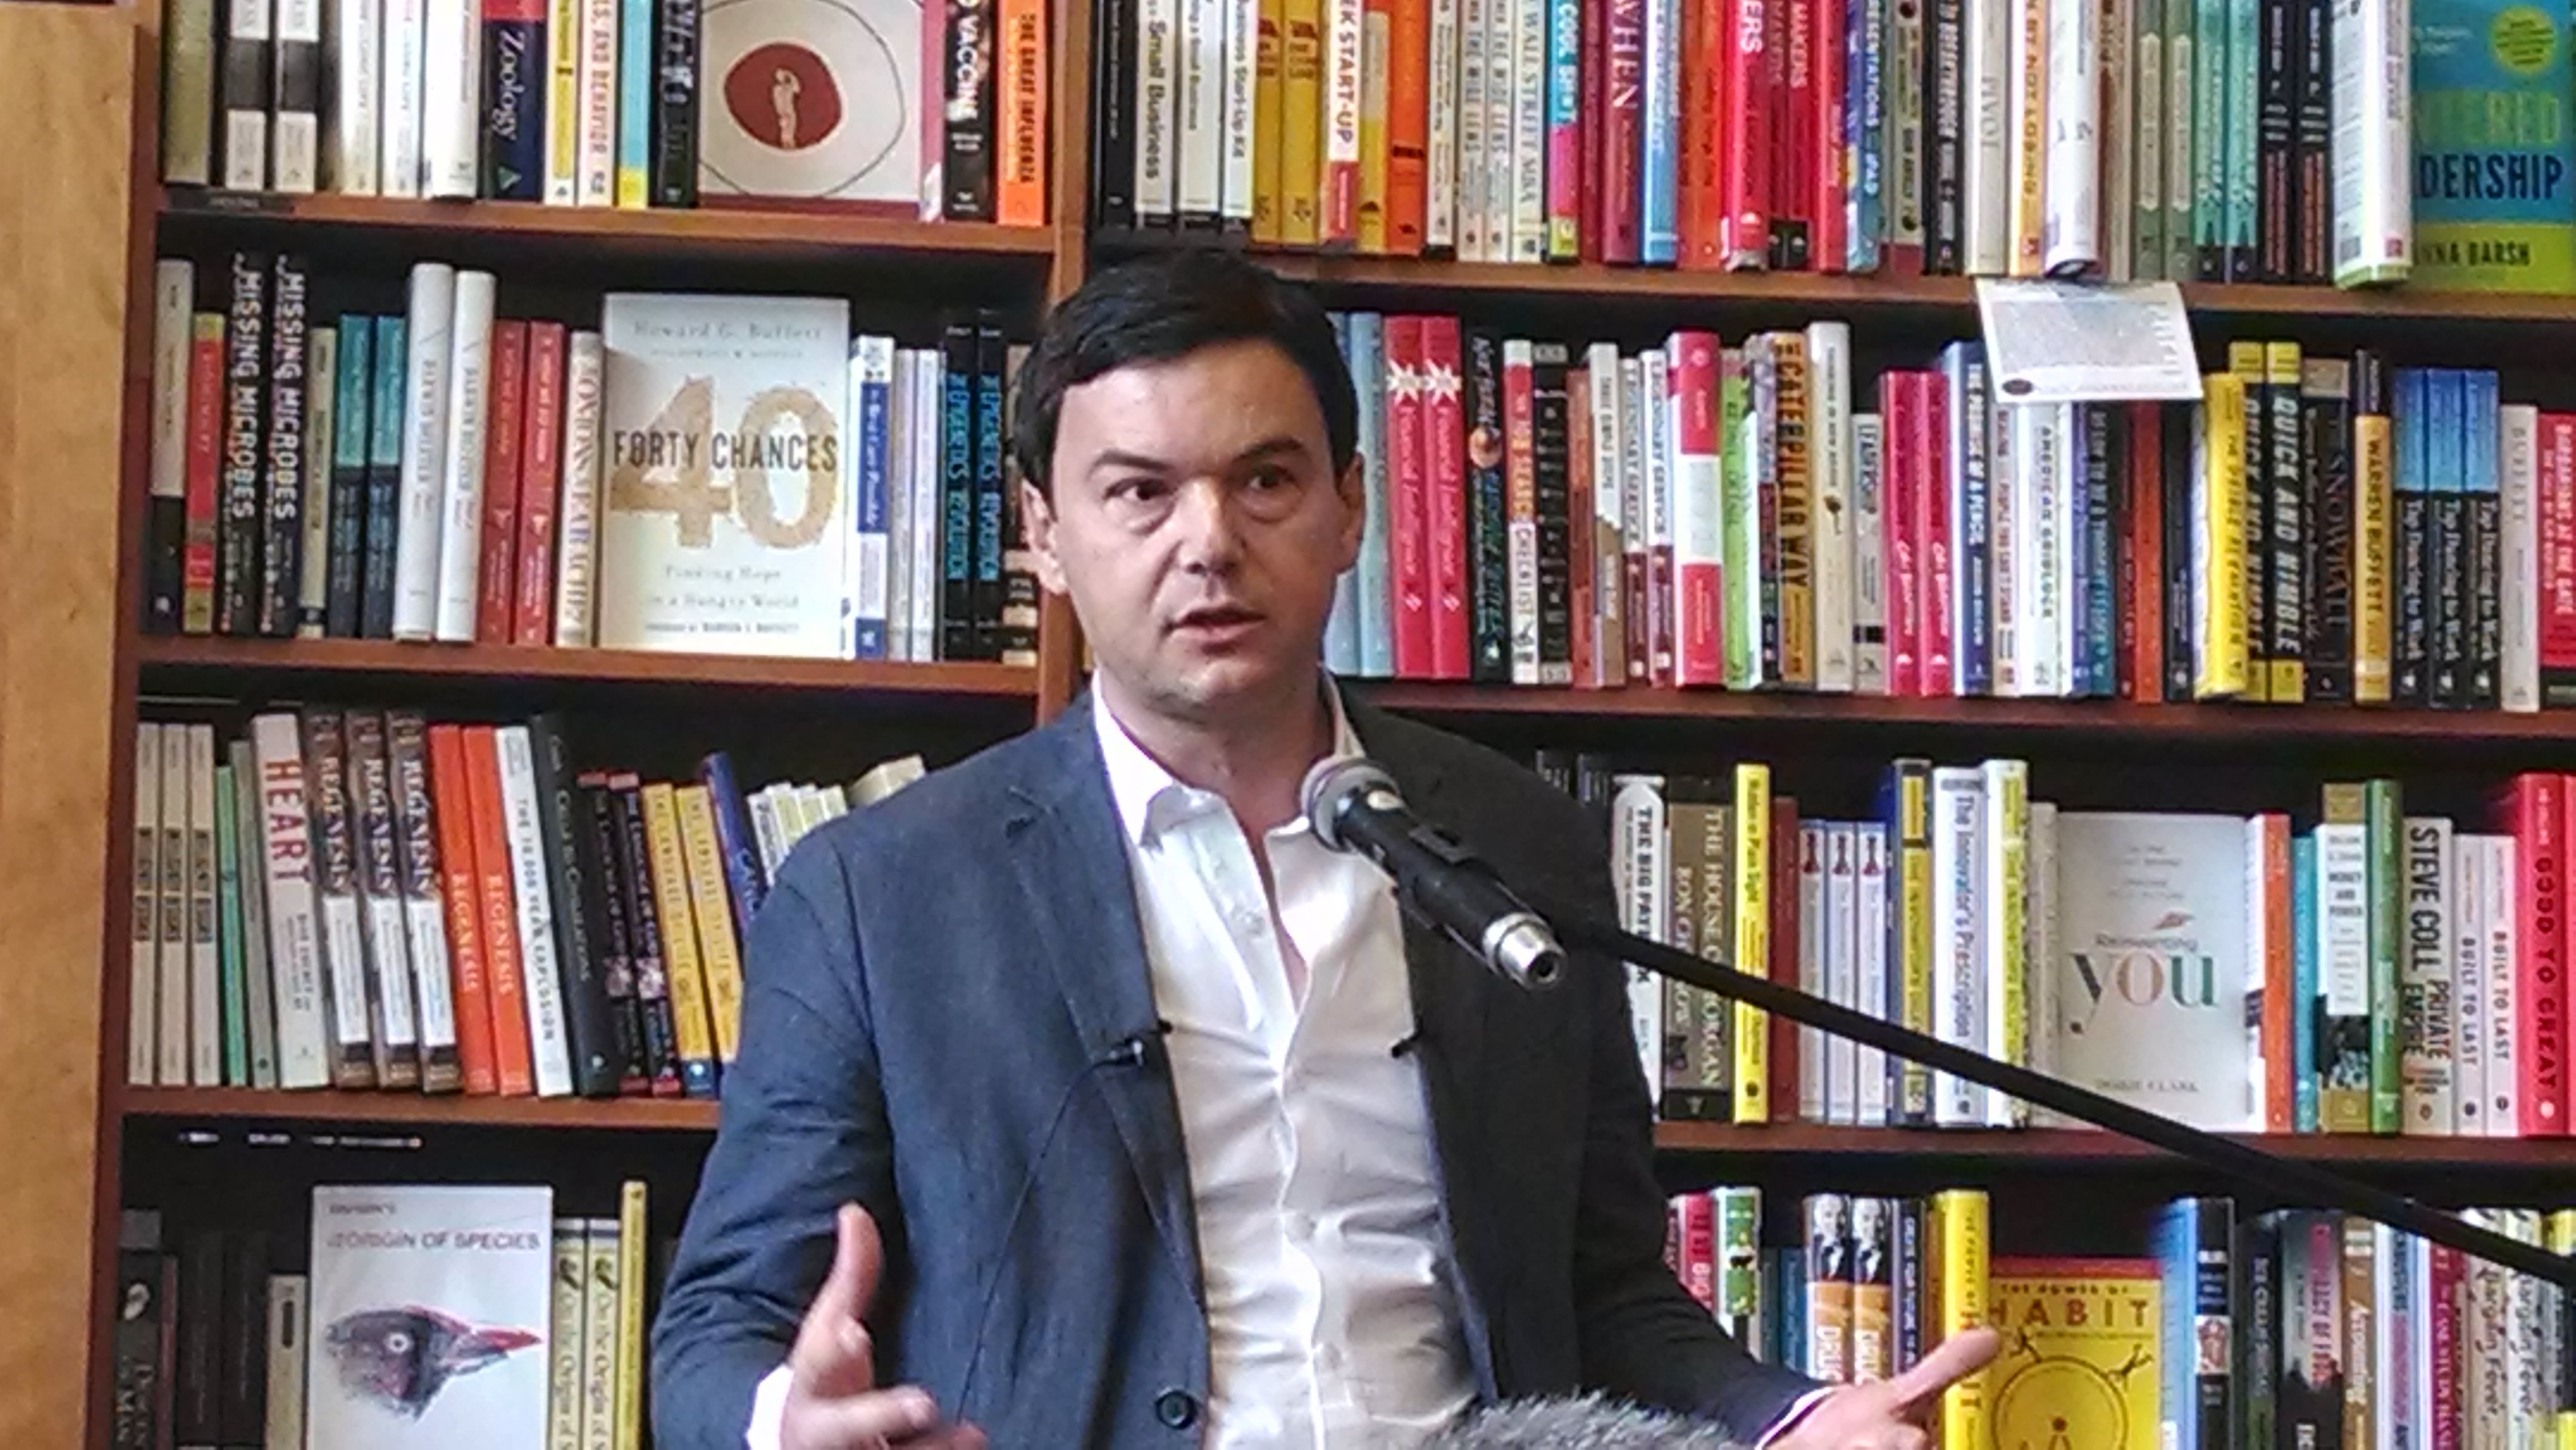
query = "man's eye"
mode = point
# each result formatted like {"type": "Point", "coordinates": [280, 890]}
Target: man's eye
{"type": "Point", "coordinates": [1271, 479]}
{"type": "Point", "coordinates": [1137, 490]}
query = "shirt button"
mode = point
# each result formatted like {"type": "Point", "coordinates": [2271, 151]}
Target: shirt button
{"type": "Point", "coordinates": [1177, 1409]}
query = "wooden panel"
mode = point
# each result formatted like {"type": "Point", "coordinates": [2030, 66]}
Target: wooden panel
{"type": "Point", "coordinates": [608, 1115]}
{"type": "Point", "coordinates": [66, 99]}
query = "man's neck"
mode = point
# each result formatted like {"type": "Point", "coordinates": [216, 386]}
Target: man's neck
{"type": "Point", "coordinates": [1256, 758]}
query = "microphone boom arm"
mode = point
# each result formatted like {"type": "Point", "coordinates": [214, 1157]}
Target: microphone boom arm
{"type": "Point", "coordinates": [2269, 1171]}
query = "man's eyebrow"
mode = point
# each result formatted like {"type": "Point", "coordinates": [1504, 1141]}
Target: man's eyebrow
{"type": "Point", "coordinates": [1146, 463]}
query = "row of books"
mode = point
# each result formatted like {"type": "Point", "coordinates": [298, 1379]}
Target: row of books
{"type": "Point", "coordinates": [2253, 141]}
{"type": "Point", "coordinates": [939, 110]}
{"type": "Point", "coordinates": [2225, 1330]}
{"type": "Point", "coordinates": [363, 899]}
{"type": "Point", "coordinates": [734, 475]}
{"type": "Point", "coordinates": [435, 1314]}
{"type": "Point", "coordinates": [1737, 516]}
{"type": "Point", "coordinates": [2364, 970]}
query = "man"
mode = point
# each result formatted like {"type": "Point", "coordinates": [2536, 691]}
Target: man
{"type": "Point", "coordinates": [1162, 1127]}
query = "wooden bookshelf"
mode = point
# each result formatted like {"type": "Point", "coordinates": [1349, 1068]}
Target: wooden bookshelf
{"type": "Point", "coordinates": [2040, 1149]}
{"type": "Point", "coordinates": [390, 1108]}
{"type": "Point", "coordinates": [217, 660]}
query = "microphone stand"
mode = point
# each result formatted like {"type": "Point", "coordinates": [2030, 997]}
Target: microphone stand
{"type": "Point", "coordinates": [2300, 1182]}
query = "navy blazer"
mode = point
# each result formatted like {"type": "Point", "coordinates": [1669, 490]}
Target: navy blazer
{"type": "Point", "coordinates": [943, 1000]}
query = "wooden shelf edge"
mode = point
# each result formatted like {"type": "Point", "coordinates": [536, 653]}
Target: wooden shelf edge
{"type": "Point", "coordinates": [715, 228]}
{"type": "Point", "coordinates": [2043, 1146]}
{"type": "Point", "coordinates": [2238, 722]}
{"type": "Point", "coordinates": [668, 1115]}
{"type": "Point", "coordinates": [324, 657]}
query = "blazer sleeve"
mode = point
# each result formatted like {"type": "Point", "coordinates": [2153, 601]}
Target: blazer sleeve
{"type": "Point", "coordinates": [803, 1131]}
{"type": "Point", "coordinates": [1639, 1332]}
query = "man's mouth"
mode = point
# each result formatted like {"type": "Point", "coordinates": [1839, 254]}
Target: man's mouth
{"type": "Point", "coordinates": [1218, 617]}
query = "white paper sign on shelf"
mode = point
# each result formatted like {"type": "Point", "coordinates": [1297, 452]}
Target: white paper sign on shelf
{"type": "Point", "coordinates": [2084, 342]}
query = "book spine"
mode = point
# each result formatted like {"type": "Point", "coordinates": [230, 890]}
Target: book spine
{"type": "Point", "coordinates": [461, 482]}
{"type": "Point", "coordinates": [604, 904]}
{"type": "Point", "coordinates": [245, 91]}
{"type": "Point", "coordinates": [206, 986]}
{"type": "Point", "coordinates": [543, 975]}
{"type": "Point", "coordinates": [629, 855]}
{"type": "Point", "coordinates": [443, 893]}
{"type": "Point", "coordinates": [966, 167]}
{"type": "Point", "coordinates": [1870, 519]}
{"type": "Point", "coordinates": [428, 355]}
{"type": "Point", "coordinates": [563, 102]}
{"type": "Point", "coordinates": [2427, 1014]}
{"type": "Point", "coordinates": [2482, 507]}
{"type": "Point", "coordinates": [451, 91]}
{"type": "Point", "coordinates": [2312, 198]}
{"type": "Point", "coordinates": [1903, 143]}
{"type": "Point", "coordinates": [238, 534]}
{"type": "Point", "coordinates": [2275, 120]}
{"type": "Point", "coordinates": [1659, 453]}
{"type": "Point", "coordinates": [404, 44]}
{"type": "Point", "coordinates": [1623, 127]}
{"type": "Point", "coordinates": [2375, 446]}
{"type": "Point", "coordinates": [359, 1054]}
{"type": "Point", "coordinates": [387, 931]}
{"type": "Point", "coordinates": [188, 136]}
{"type": "Point", "coordinates": [2326, 457]}
{"type": "Point", "coordinates": [576, 573]}
{"type": "Point", "coordinates": [595, 169]}
{"type": "Point", "coordinates": [1551, 471]}
{"type": "Point", "coordinates": [173, 363]}
{"type": "Point", "coordinates": [1410, 519]}
{"type": "Point", "coordinates": [1659, 136]}
{"type": "Point", "coordinates": [513, 111]}
{"type": "Point", "coordinates": [1745, 239]}
{"type": "Point", "coordinates": [2372, 102]}
{"type": "Point", "coordinates": [2070, 234]}
{"type": "Point", "coordinates": [504, 438]}
{"type": "Point", "coordinates": [692, 1031]}
{"type": "Point", "coordinates": [1488, 515]}
{"type": "Point", "coordinates": [2446, 455]}
{"type": "Point", "coordinates": [595, 1059]}
{"type": "Point", "coordinates": [991, 503]}
{"type": "Point", "coordinates": [2288, 581]}
{"type": "Point", "coordinates": [498, 906]}
{"type": "Point", "coordinates": [632, 184]}
{"type": "Point", "coordinates": [718, 946]}
{"type": "Point", "coordinates": [1697, 522]}
{"type": "Point", "coordinates": [674, 172]}
{"type": "Point", "coordinates": [281, 528]}
{"type": "Point", "coordinates": [1521, 473]}
{"type": "Point", "coordinates": [1446, 463]}
{"type": "Point", "coordinates": [354, 76]}
{"type": "Point", "coordinates": [1564, 148]}
{"type": "Point", "coordinates": [526, 598]}
{"type": "Point", "coordinates": [1751, 865]}
{"type": "Point", "coordinates": [2519, 592]}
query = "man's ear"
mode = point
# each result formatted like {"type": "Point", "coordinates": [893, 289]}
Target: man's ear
{"type": "Point", "coordinates": [1352, 489]}
{"type": "Point", "coordinates": [1037, 527]}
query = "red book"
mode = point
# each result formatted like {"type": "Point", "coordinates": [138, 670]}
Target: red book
{"type": "Point", "coordinates": [205, 466]}
{"type": "Point", "coordinates": [1700, 207]}
{"type": "Point", "coordinates": [1411, 523]}
{"type": "Point", "coordinates": [1623, 141]}
{"type": "Point", "coordinates": [1788, 30]}
{"type": "Point", "coordinates": [2533, 810]}
{"type": "Point", "coordinates": [1784, 955]}
{"type": "Point", "coordinates": [1592, 86]}
{"type": "Point", "coordinates": [1698, 1213]}
{"type": "Point", "coordinates": [532, 614]}
{"type": "Point", "coordinates": [1699, 636]}
{"type": "Point", "coordinates": [2557, 551]}
{"type": "Point", "coordinates": [2450, 1365]}
{"type": "Point", "coordinates": [1444, 454]}
{"type": "Point", "coordinates": [2142, 563]}
{"type": "Point", "coordinates": [509, 1001]}
{"type": "Point", "coordinates": [1900, 402]}
{"type": "Point", "coordinates": [1745, 170]}
{"type": "Point", "coordinates": [460, 897]}
{"type": "Point", "coordinates": [1562, 184]}
{"type": "Point", "coordinates": [503, 441]}
{"type": "Point", "coordinates": [1932, 536]}
{"type": "Point", "coordinates": [1826, 153]}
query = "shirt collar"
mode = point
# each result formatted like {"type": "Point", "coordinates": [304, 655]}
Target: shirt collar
{"type": "Point", "coordinates": [1147, 795]}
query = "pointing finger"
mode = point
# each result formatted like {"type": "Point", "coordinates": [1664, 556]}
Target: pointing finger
{"type": "Point", "coordinates": [832, 1351]}
{"type": "Point", "coordinates": [1956, 1358]}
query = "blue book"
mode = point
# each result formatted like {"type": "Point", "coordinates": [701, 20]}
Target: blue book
{"type": "Point", "coordinates": [2194, 1241]}
{"type": "Point", "coordinates": [2101, 576]}
{"type": "Point", "coordinates": [1963, 374]}
{"type": "Point", "coordinates": [384, 478]}
{"type": "Point", "coordinates": [1864, 203]}
{"type": "Point", "coordinates": [514, 102]}
{"type": "Point", "coordinates": [1659, 166]}
{"type": "Point", "coordinates": [352, 390]}
{"type": "Point", "coordinates": [746, 883]}
{"type": "Point", "coordinates": [2077, 606]}
{"type": "Point", "coordinates": [2305, 1003]}
{"type": "Point", "coordinates": [2446, 456]}
{"type": "Point", "coordinates": [1342, 626]}
{"type": "Point", "coordinates": [2483, 511]}
{"type": "Point", "coordinates": [634, 102]}
{"type": "Point", "coordinates": [872, 370]}
{"type": "Point", "coordinates": [2411, 648]}
{"type": "Point", "coordinates": [1377, 564]}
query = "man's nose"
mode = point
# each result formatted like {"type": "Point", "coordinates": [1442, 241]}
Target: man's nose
{"type": "Point", "coordinates": [1210, 524]}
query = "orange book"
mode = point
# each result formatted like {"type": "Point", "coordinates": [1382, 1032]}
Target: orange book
{"type": "Point", "coordinates": [1269, 216]}
{"type": "Point", "coordinates": [1408, 124]}
{"type": "Point", "coordinates": [510, 1053]}
{"type": "Point", "coordinates": [1700, 201]}
{"type": "Point", "coordinates": [2145, 560]}
{"type": "Point", "coordinates": [450, 806]}
{"type": "Point", "coordinates": [1019, 191]}
{"type": "Point", "coordinates": [2267, 842]}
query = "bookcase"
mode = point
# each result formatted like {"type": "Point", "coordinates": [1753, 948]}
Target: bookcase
{"type": "Point", "coordinates": [2056, 1190]}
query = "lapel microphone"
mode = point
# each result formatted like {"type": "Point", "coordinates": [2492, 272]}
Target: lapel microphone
{"type": "Point", "coordinates": [1352, 805]}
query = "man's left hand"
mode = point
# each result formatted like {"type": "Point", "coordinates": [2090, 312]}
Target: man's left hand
{"type": "Point", "coordinates": [1890, 1414]}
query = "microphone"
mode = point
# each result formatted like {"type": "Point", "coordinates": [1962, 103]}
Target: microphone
{"type": "Point", "coordinates": [1585, 1423]}
{"type": "Point", "coordinates": [1352, 804]}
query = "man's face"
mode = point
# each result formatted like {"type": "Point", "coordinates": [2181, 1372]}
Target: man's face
{"type": "Point", "coordinates": [1197, 526]}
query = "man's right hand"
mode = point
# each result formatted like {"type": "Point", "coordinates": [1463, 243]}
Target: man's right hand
{"type": "Point", "coordinates": [832, 1399]}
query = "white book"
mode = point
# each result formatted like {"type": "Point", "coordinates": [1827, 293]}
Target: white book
{"type": "Point", "coordinates": [357, 89]}
{"type": "Point", "coordinates": [1440, 183]}
{"type": "Point", "coordinates": [1158, 68]}
{"type": "Point", "coordinates": [1470, 134]}
{"type": "Point", "coordinates": [2426, 1018]}
{"type": "Point", "coordinates": [2070, 228]}
{"type": "Point", "coordinates": [174, 294]}
{"type": "Point", "coordinates": [177, 993]}
{"type": "Point", "coordinates": [2374, 215]}
{"type": "Point", "coordinates": [1242, 20]}
{"type": "Point", "coordinates": [1199, 110]}
{"type": "Point", "coordinates": [1601, 375]}
{"type": "Point", "coordinates": [382, 920]}
{"type": "Point", "coordinates": [1959, 985]}
{"type": "Point", "coordinates": [1869, 940]}
{"type": "Point", "coordinates": [1815, 943]}
{"type": "Point", "coordinates": [1869, 555]}
{"type": "Point", "coordinates": [294, 927]}
{"type": "Point", "coordinates": [2115, 206]}
{"type": "Point", "coordinates": [899, 520]}
{"type": "Point", "coordinates": [1829, 461]}
{"type": "Point", "coordinates": [595, 170]}
{"type": "Point", "coordinates": [767, 831]}
{"type": "Point", "coordinates": [870, 458]}
{"type": "Point", "coordinates": [287, 1300]}
{"type": "Point", "coordinates": [1907, 83]}
{"type": "Point", "coordinates": [451, 99]}
{"type": "Point", "coordinates": [685, 379]}
{"type": "Point", "coordinates": [929, 382]}
{"type": "Point", "coordinates": [261, 988]}
{"type": "Point", "coordinates": [423, 922]}
{"type": "Point", "coordinates": [2003, 927]}
{"type": "Point", "coordinates": [431, 319]}
{"type": "Point", "coordinates": [2468, 965]}
{"type": "Point", "coordinates": [1696, 514]}
{"type": "Point", "coordinates": [2037, 506]}
{"type": "Point", "coordinates": [356, 1046]}
{"type": "Point", "coordinates": [205, 953]}
{"type": "Point", "coordinates": [1641, 872]}
{"type": "Point", "coordinates": [2065, 487]}
{"type": "Point", "coordinates": [469, 401]}
{"type": "Point", "coordinates": [322, 404]}
{"type": "Point", "coordinates": [2519, 591]}
{"type": "Point", "coordinates": [1501, 113]}
{"type": "Point", "coordinates": [1521, 557]}
{"type": "Point", "coordinates": [548, 1040]}
{"type": "Point", "coordinates": [2005, 547]}
{"type": "Point", "coordinates": [563, 102]}
{"type": "Point", "coordinates": [400, 1267]}
{"type": "Point", "coordinates": [2503, 948]}
{"type": "Point", "coordinates": [1988, 77]}
{"type": "Point", "coordinates": [143, 966]}
{"type": "Point", "coordinates": [1842, 967]}
{"type": "Point", "coordinates": [577, 502]}
{"type": "Point", "coordinates": [402, 46]}
{"type": "Point", "coordinates": [1529, 130]}
{"type": "Point", "coordinates": [295, 130]}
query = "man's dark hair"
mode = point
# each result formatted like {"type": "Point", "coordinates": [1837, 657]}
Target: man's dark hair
{"type": "Point", "coordinates": [1159, 308]}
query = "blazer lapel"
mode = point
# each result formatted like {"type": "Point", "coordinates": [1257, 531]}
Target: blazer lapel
{"type": "Point", "coordinates": [1063, 838]}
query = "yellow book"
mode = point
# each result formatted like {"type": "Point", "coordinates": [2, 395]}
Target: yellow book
{"type": "Point", "coordinates": [2562, 1241]}
{"type": "Point", "coordinates": [1797, 512]}
{"type": "Point", "coordinates": [2374, 588]}
{"type": "Point", "coordinates": [564, 1339]}
{"type": "Point", "coordinates": [1910, 846]}
{"type": "Point", "coordinates": [599, 1336]}
{"type": "Point", "coordinates": [2080, 1362]}
{"type": "Point", "coordinates": [1301, 120]}
{"type": "Point", "coordinates": [1752, 869]}
{"type": "Point", "coordinates": [1376, 26]}
{"type": "Point", "coordinates": [679, 925]}
{"type": "Point", "coordinates": [2245, 364]}
{"type": "Point", "coordinates": [2027, 213]}
{"type": "Point", "coordinates": [2220, 664]}
{"type": "Point", "coordinates": [1268, 217]}
{"type": "Point", "coordinates": [2288, 684]}
{"type": "Point", "coordinates": [708, 903]}
{"type": "Point", "coordinates": [629, 1368]}
{"type": "Point", "coordinates": [563, 101]}
{"type": "Point", "coordinates": [2007, 863]}
{"type": "Point", "coordinates": [1957, 1239]}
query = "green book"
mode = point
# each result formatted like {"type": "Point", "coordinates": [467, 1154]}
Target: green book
{"type": "Point", "coordinates": [2495, 197]}
{"type": "Point", "coordinates": [1740, 618]}
{"type": "Point", "coordinates": [2209, 146]}
{"type": "Point", "coordinates": [2387, 885]}
{"type": "Point", "coordinates": [2147, 229]}
{"type": "Point", "coordinates": [2244, 93]}
{"type": "Point", "coordinates": [2182, 164]}
{"type": "Point", "coordinates": [228, 933]}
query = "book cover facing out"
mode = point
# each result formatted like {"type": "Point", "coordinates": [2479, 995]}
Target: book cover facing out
{"type": "Point", "coordinates": [2495, 166]}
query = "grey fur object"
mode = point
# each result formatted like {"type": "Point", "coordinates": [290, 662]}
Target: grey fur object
{"type": "Point", "coordinates": [1588, 1423]}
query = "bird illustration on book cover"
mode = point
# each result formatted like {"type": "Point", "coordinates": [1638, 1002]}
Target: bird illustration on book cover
{"type": "Point", "coordinates": [400, 1358]}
